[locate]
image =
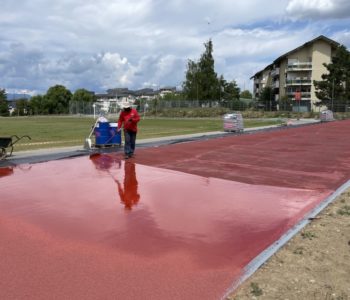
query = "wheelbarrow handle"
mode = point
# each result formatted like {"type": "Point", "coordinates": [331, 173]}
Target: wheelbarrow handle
{"type": "Point", "coordinates": [16, 136]}
{"type": "Point", "coordinates": [19, 138]}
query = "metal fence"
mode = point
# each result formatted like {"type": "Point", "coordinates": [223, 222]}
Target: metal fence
{"type": "Point", "coordinates": [158, 105]}
{"type": "Point", "coordinates": [88, 108]}
{"type": "Point", "coordinates": [82, 108]}
{"type": "Point", "coordinates": [241, 104]}
{"type": "Point", "coordinates": [339, 107]}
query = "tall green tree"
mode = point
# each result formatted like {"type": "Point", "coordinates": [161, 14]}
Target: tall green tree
{"type": "Point", "coordinates": [201, 81]}
{"type": "Point", "coordinates": [82, 100]}
{"type": "Point", "coordinates": [4, 109]}
{"type": "Point", "coordinates": [334, 88]}
{"type": "Point", "coordinates": [191, 86]}
{"type": "Point", "coordinates": [57, 100]}
{"type": "Point", "coordinates": [37, 105]}
{"type": "Point", "coordinates": [3, 96]}
{"type": "Point", "coordinates": [208, 78]}
{"type": "Point", "coordinates": [230, 94]}
{"type": "Point", "coordinates": [222, 86]}
{"type": "Point", "coordinates": [232, 91]}
{"type": "Point", "coordinates": [83, 95]}
{"type": "Point", "coordinates": [246, 94]}
{"type": "Point", "coordinates": [266, 98]}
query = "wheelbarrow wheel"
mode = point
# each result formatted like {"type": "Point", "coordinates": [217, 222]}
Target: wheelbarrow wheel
{"type": "Point", "coordinates": [2, 153]}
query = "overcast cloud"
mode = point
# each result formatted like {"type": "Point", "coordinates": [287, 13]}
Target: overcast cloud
{"type": "Point", "coordinates": [102, 44]}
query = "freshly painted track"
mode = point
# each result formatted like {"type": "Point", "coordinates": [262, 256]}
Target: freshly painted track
{"type": "Point", "coordinates": [177, 222]}
{"type": "Point", "coordinates": [310, 157]}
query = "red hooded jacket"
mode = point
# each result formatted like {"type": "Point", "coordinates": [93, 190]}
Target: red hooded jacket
{"type": "Point", "coordinates": [129, 119]}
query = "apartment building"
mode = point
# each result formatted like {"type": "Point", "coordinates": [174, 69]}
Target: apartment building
{"type": "Point", "coordinates": [292, 74]}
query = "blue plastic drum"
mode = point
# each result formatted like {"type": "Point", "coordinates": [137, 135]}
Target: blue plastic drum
{"type": "Point", "coordinates": [102, 134]}
{"type": "Point", "coordinates": [115, 135]}
{"type": "Point", "coordinates": [106, 134]}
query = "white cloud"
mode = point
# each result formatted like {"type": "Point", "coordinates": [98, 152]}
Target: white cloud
{"type": "Point", "coordinates": [239, 53]}
{"type": "Point", "coordinates": [100, 44]}
{"type": "Point", "coordinates": [316, 9]}
{"type": "Point", "coordinates": [343, 37]}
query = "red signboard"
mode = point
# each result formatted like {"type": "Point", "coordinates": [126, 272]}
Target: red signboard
{"type": "Point", "coordinates": [297, 96]}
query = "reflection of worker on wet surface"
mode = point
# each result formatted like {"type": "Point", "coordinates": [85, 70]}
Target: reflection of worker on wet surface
{"type": "Point", "coordinates": [6, 171]}
{"type": "Point", "coordinates": [105, 162]}
{"type": "Point", "coordinates": [129, 195]}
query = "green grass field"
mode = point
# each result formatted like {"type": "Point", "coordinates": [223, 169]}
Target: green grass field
{"type": "Point", "coordinates": [54, 131]}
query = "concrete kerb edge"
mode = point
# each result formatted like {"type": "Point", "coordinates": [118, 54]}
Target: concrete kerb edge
{"type": "Point", "coordinates": [259, 260]}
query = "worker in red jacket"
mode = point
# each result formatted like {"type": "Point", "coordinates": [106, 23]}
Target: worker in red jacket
{"type": "Point", "coordinates": [128, 118]}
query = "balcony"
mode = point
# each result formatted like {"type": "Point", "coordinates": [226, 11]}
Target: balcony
{"type": "Point", "coordinates": [276, 84]}
{"type": "Point", "coordinates": [275, 72]}
{"type": "Point", "coordinates": [304, 95]}
{"type": "Point", "coordinates": [298, 82]}
{"type": "Point", "coordinates": [300, 66]}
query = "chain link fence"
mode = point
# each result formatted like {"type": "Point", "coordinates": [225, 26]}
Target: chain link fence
{"type": "Point", "coordinates": [199, 108]}
{"type": "Point", "coordinates": [93, 108]}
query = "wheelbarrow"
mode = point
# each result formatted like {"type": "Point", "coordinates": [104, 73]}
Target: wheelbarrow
{"type": "Point", "coordinates": [7, 143]}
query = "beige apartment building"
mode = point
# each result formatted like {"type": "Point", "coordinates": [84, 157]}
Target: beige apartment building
{"type": "Point", "coordinates": [294, 72]}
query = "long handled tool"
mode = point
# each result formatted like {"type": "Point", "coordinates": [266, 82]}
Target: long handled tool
{"type": "Point", "coordinates": [88, 143]}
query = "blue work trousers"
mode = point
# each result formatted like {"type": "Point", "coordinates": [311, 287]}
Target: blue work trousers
{"type": "Point", "coordinates": [129, 143]}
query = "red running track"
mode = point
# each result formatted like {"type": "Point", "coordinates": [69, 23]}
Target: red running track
{"type": "Point", "coordinates": [310, 157]}
{"type": "Point", "coordinates": [177, 222]}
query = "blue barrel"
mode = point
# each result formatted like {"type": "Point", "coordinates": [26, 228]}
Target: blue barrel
{"type": "Point", "coordinates": [116, 137]}
{"type": "Point", "coordinates": [105, 134]}
{"type": "Point", "coordinates": [102, 134]}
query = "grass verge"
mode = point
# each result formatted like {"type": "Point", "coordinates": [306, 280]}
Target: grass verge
{"type": "Point", "coordinates": [61, 131]}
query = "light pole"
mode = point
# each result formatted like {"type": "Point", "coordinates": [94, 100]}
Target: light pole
{"type": "Point", "coordinates": [94, 107]}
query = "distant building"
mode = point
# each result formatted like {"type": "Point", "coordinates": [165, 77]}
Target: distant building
{"type": "Point", "coordinates": [167, 90]}
{"type": "Point", "coordinates": [123, 94]}
{"type": "Point", "coordinates": [146, 93]}
{"type": "Point", "coordinates": [295, 71]}
{"type": "Point", "coordinates": [13, 98]}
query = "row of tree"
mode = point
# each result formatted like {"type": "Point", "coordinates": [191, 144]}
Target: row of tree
{"type": "Point", "coordinates": [55, 101]}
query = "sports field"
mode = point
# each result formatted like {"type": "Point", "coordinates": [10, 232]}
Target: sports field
{"type": "Point", "coordinates": [55, 131]}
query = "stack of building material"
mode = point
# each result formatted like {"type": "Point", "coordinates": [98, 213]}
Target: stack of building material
{"type": "Point", "coordinates": [326, 116]}
{"type": "Point", "coordinates": [233, 122]}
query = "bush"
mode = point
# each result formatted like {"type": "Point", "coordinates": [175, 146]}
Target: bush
{"type": "Point", "coordinates": [205, 112]}
{"type": "Point", "coordinates": [213, 112]}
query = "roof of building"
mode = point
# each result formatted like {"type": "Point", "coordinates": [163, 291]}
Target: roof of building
{"type": "Point", "coordinates": [146, 92]}
{"type": "Point", "coordinates": [168, 88]}
{"type": "Point", "coordinates": [259, 72]}
{"type": "Point", "coordinates": [321, 37]}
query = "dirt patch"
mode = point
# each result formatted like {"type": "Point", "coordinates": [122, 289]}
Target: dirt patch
{"type": "Point", "coordinates": [315, 264]}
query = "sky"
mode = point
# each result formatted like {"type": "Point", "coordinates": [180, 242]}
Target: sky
{"type": "Point", "coordinates": [103, 44]}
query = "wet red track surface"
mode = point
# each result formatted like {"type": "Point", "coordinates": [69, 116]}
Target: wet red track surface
{"type": "Point", "coordinates": [176, 222]}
